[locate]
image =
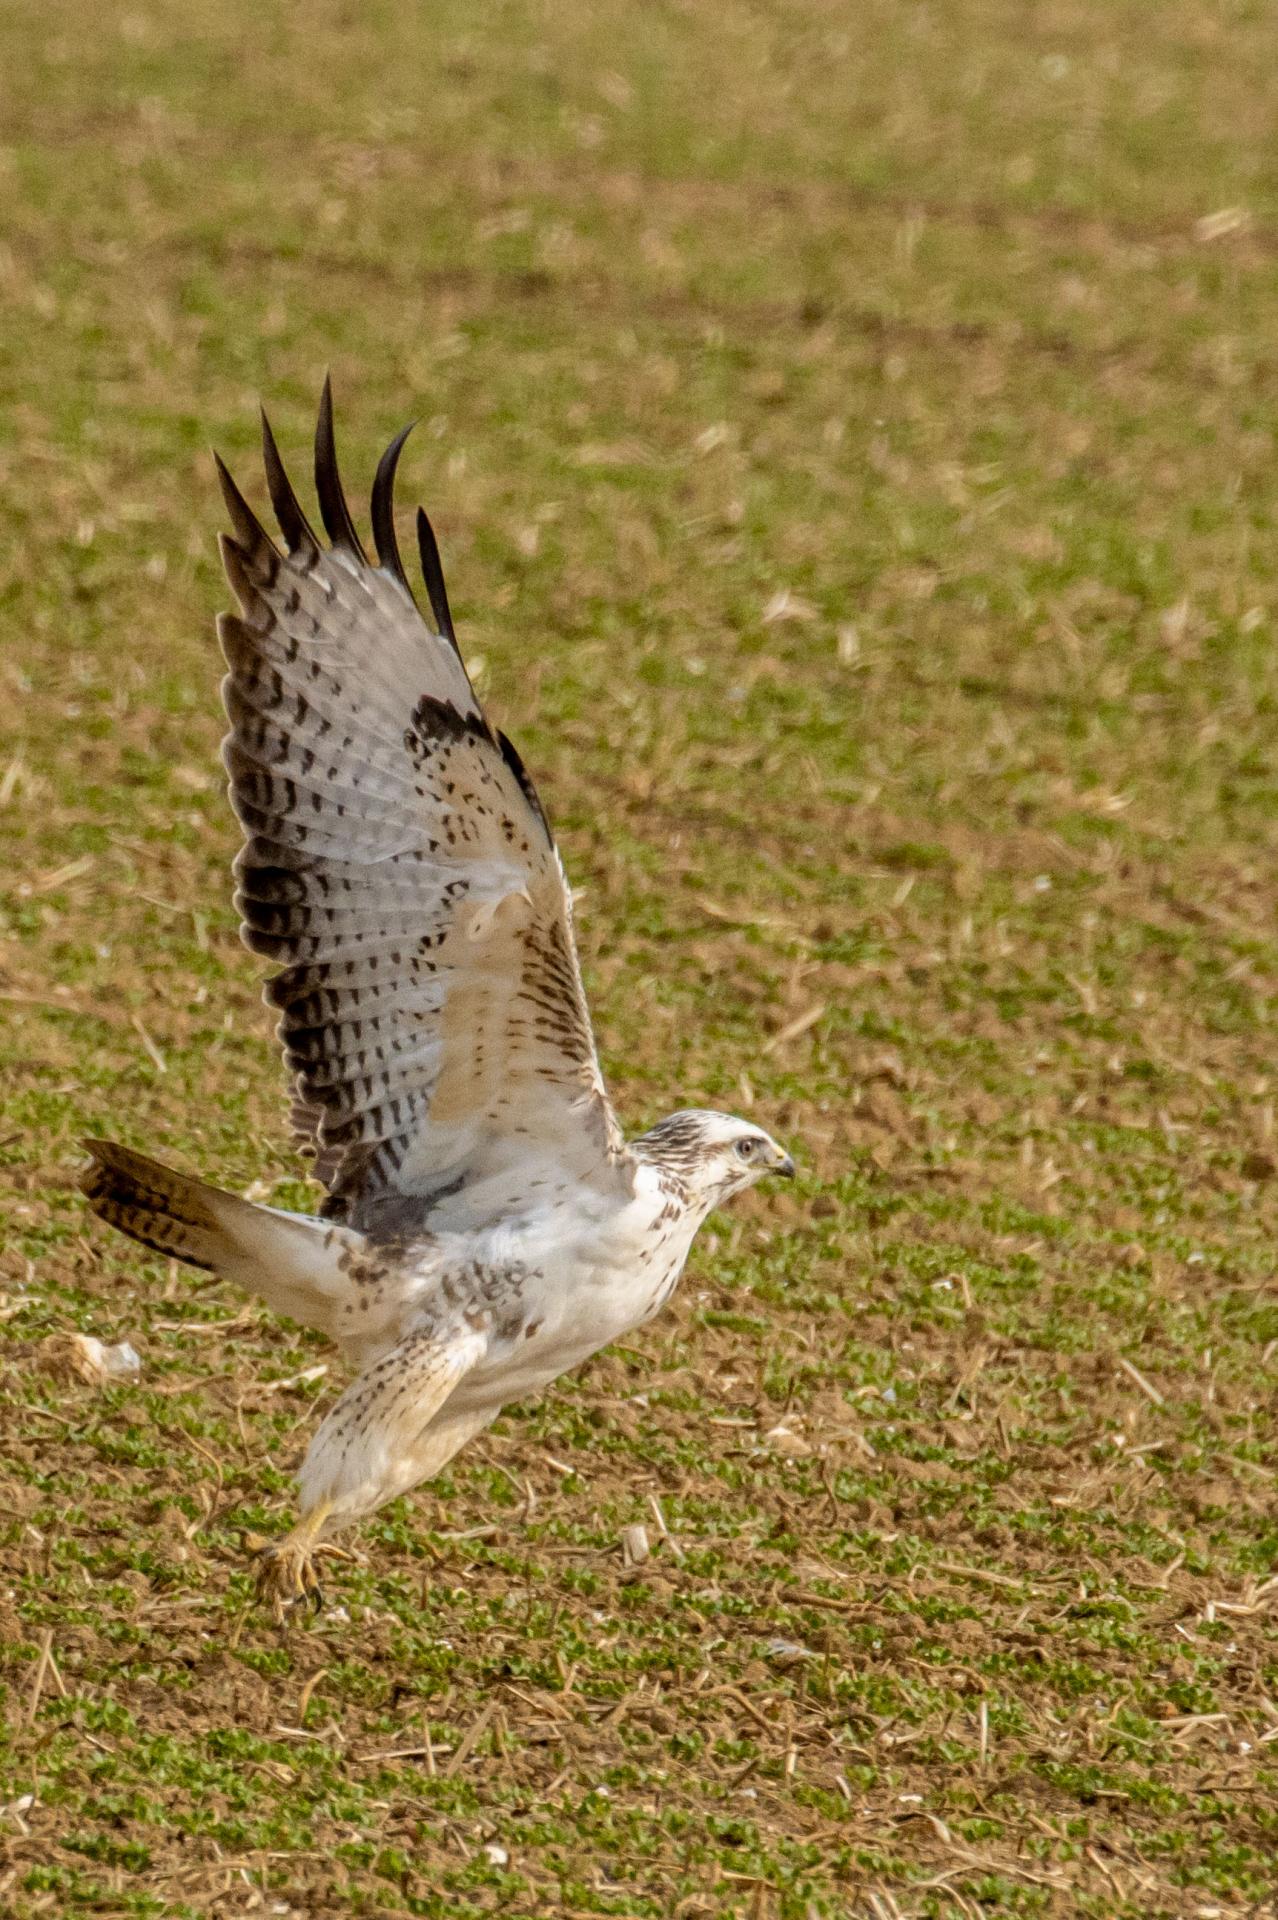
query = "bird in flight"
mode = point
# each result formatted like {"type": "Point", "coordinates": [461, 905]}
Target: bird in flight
{"type": "Point", "coordinates": [486, 1224]}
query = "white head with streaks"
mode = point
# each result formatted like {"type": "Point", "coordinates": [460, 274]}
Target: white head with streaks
{"type": "Point", "coordinates": [711, 1155]}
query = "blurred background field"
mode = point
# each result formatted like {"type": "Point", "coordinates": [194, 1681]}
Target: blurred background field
{"type": "Point", "coordinates": [850, 434]}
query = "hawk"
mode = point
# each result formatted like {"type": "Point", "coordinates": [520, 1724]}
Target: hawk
{"type": "Point", "coordinates": [487, 1226]}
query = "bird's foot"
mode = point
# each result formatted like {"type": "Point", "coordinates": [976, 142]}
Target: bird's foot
{"type": "Point", "coordinates": [286, 1575]}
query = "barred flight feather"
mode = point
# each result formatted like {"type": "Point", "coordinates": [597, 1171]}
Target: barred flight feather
{"type": "Point", "coordinates": [398, 867]}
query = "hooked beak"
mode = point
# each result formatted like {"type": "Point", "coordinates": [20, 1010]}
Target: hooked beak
{"type": "Point", "coordinates": [784, 1167]}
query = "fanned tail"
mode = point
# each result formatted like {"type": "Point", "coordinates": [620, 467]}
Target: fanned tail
{"type": "Point", "coordinates": [297, 1264]}
{"type": "Point", "coordinates": [167, 1211]}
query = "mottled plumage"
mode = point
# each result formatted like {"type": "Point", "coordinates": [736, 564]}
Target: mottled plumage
{"type": "Point", "coordinates": [486, 1225]}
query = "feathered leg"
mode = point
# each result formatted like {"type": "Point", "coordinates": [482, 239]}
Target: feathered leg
{"type": "Point", "coordinates": [390, 1430]}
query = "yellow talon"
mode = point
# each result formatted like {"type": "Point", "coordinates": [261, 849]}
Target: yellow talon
{"type": "Point", "coordinates": [286, 1569]}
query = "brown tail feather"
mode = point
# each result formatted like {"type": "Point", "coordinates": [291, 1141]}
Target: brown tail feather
{"type": "Point", "coordinates": [297, 1264]}
{"type": "Point", "coordinates": [168, 1211]}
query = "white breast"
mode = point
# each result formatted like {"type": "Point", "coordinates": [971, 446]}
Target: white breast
{"type": "Point", "coordinates": [591, 1275]}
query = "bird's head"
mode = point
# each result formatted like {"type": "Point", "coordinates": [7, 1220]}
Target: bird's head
{"type": "Point", "coordinates": [712, 1155]}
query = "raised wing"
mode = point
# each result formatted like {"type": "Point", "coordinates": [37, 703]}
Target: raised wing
{"type": "Point", "coordinates": [397, 862]}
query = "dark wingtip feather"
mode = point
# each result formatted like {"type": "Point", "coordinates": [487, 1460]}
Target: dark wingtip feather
{"type": "Point", "coordinates": [382, 508]}
{"type": "Point", "coordinates": [238, 568]}
{"type": "Point", "coordinates": [433, 574]}
{"type": "Point", "coordinates": [510, 755]}
{"type": "Point", "coordinates": [249, 530]}
{"type": "Point", "coordinates": [298, 533]}
{"type": "Point", "coordinates": [334, 511]}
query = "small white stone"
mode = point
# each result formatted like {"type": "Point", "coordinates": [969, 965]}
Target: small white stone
{"type": "Point", "coordinates": [788, 1653]}
{"type": "Point", "coordinates": [122, 1361]}
{"type": "Point", "coordinates": [634, 1546]}
{"type": "Point", "coordinates": [86, 1358]}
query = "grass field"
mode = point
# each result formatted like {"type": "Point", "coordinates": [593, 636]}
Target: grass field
{"type": "Point", "coordinates": [851, 438]}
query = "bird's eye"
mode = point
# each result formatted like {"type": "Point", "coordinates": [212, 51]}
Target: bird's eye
{"type": "Point", "coordinates": [746, 1149]}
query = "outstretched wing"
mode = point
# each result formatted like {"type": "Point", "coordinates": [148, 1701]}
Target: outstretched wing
{"type": "Point", "coordinates": [398, 864]}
